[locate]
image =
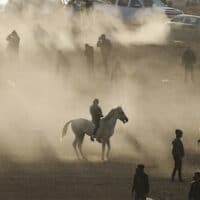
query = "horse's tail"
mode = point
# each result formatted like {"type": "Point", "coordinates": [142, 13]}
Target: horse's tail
{"type": "Point", "coordinates": [64, 132]}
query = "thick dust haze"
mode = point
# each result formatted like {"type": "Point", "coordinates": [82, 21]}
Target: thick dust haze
{"type": "Point", "coordinates": [37, 99]}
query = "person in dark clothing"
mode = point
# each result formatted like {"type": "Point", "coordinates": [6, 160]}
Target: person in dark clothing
{"type": "Point", "coordinates": [194, 193]}
{"type": "Point", "coordinates": [105, 47]}
{"type": "Point", "coordinates": [96, 114]}
{"type": "Point", "coordinates": [188, 60]}
{"type": "Point", "coordinates": [178, 154]}
{"type": "Point", "coordinates": [140, 188]}
{"type": "Point", "coordinates": [89, 54]}
{"type": "Point", "coordinates": [13, 40]}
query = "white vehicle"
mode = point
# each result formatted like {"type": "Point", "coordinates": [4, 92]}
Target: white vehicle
{"type": "Point", "coordinates": [185, 28]}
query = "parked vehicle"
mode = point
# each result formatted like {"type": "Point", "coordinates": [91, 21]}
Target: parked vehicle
{"type": "Point", "coordinates": [185, 28]}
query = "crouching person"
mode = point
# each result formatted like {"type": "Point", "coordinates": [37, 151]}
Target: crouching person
{"type": "Point", "coordinates": [140, 188]}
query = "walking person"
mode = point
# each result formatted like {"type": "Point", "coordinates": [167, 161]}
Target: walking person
{"type": "Point", "coordinates": [178, 154]}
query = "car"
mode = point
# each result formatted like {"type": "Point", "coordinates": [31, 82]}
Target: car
{"type": "Point", "coordinates": [185, 28]}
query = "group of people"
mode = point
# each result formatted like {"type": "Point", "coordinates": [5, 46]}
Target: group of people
{"type": "Point", "coordinates": [104, 44]}
{"type": "Point", "coordinates": [140, 188]}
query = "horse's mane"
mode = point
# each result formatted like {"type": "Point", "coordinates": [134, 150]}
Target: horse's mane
{"type": "Point", "coordinates": [109, 115]}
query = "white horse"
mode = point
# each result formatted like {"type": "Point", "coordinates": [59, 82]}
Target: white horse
{"type": "Point", "coordinates": [81, 127]}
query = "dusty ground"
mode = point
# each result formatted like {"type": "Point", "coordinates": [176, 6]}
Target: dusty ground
{"type": "Point", "coordinates": [80, 181]}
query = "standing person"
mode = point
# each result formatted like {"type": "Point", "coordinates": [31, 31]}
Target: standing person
{"type": "Point", "coordinates": [105, 47]}
{"type": "Point", "coordinates": [178, 154]}
{"type": "Point", "coordinates": [96, 113]}
{"type": "Point", "coordinates": [194, 193]}
{"type": "Point", "coordinates": [89, 54]}
{"type": "Point", "coordinates": [188, 60]}
{"type": "Point", "coordinates": [140, 188]}
{"type": "Point", "coordinates": [13, 40]}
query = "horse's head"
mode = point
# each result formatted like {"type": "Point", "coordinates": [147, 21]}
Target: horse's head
{"type": "Point", "coordinates": [121, 115]}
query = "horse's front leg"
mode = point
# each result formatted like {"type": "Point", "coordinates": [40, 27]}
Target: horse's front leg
{"type": "Point", "coordinates": [109, 148]}
{"type": "Point", "coordinates": [103, 150]}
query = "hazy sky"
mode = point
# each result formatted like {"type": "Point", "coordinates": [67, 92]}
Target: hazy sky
{"type": "Point", "coordinates": [3, 1]}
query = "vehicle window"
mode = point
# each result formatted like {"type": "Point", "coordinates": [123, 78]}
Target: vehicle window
{"type": "Point", "coordinates": [191, 20]}
{"type": "Point", "coordinates": [123, 2]}
{"type": "Point", "coordinates": [135, 4]}
{"type": "Point", "coordinates": [148, 3]}
{"type": "Point", "coordinates": [159, 3]}
{"type": "Point", "coordinates": [178, 19]}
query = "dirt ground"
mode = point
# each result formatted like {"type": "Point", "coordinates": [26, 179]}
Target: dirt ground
{"type": "Point", "coordinates": [81, 181]}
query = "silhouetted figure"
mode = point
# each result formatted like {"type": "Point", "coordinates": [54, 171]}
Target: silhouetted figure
{"type": "Point", "coordinates": [62, 61]}
{"type": "Point", "coordinates": [178, 154]}
{"type": "Point", "coordinates": [105, 46]}
{"type": "Point", "coordinates": [140, 188]}
{"type": "Point", "coordinates": [13, 40]}
{"type": "Point", "coordinates": [194, 193]}
{"type": "Point", "coordinates": [89, 54]}
{"type": "Point", "coordinates": [96, 114]}
{"type": "Point", "coordinates": [188, 60]}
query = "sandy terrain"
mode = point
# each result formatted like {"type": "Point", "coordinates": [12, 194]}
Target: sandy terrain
{"type": "Point", "coordinates": [80, 181]}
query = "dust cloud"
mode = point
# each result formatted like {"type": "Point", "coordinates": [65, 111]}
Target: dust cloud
{"type": "Point", "coordinates": [37, 98]}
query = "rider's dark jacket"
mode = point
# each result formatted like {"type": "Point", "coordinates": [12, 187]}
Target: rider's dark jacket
{"type": "Point", "coordinates": [96, 113]}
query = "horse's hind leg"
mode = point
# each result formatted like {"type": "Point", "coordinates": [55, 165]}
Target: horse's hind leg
{"type": "Point", "coordinates": [75, 145]}
{"type": "Point", "coordinates": [80, 142]}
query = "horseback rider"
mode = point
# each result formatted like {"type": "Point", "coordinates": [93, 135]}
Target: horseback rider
{"type": "Point", "coordinates": [96, 114]}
